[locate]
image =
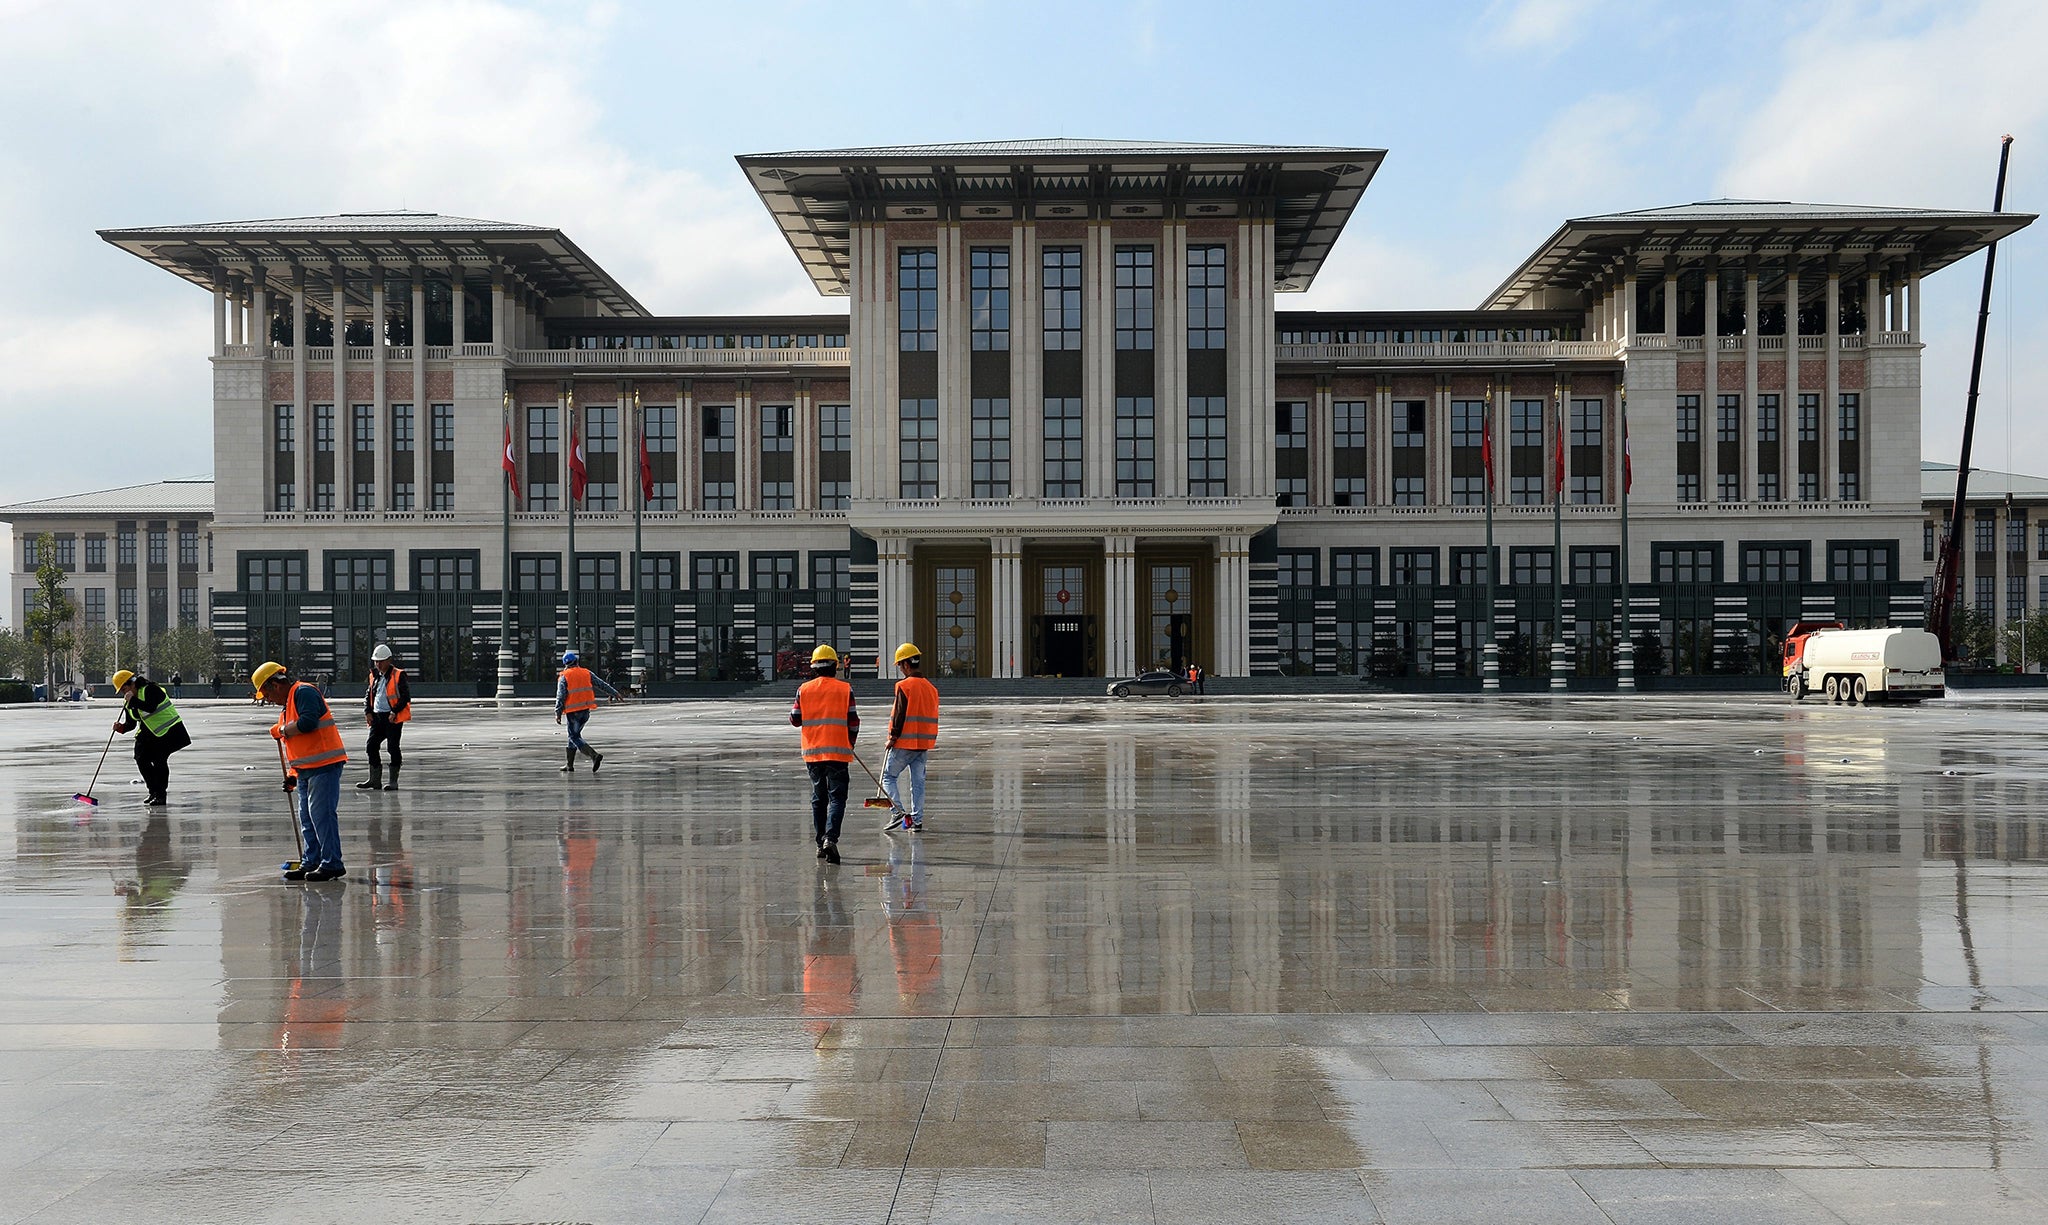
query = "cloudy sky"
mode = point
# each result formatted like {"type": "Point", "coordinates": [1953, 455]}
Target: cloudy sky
{"type": "Point", "coordinates": [618, 122]}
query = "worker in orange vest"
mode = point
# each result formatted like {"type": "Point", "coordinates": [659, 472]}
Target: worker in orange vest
{"type": "Point", "coordinates": [913, 730]}
{"type": "Point", "coordinates": [313, 758]}
{"type": "Point", "coordinates": [387, 708]}
{"type": "Point", "coordinates": [576, 696]}
{"type": "Point", "coordinates": [824, 710]}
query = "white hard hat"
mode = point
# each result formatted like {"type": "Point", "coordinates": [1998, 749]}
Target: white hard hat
{"type": "Point", "coordinates": [382, 652]}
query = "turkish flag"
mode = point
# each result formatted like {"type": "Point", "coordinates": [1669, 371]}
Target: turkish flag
{"type": "Point", "coordinates": [646, 468]}
{"type": "Point", "coordinates": [1628, 467]}
{"type": "Point", "coordinates": [1486, 452]}
{"type": "Point", "coordinates": [577, 476]}
{"type": "Point", "coordinates": [1557, 479]}
{"type": "Point", "coordinates": [511, 467]}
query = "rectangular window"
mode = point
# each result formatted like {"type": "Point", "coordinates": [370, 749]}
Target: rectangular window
{"type": "Point", "coordinates": [774, 571]}
{"type": "Point", "coordinates": [2015, 532]}
{"type": "Point", "coordinates": [1848, 419]}
{"type": "Point", "coordinates": [1062, 447]}
{"type": "Point", "coordinates": [124, 546]}
{"type": "Point", "coordinates": [989, 298]}
{"type": "Point", "coordinates": [1532, 567]}
{"type": "Point", "coordinates": [1136, 457]}
{"type": "Point", "coordinates": [1727, 487]}
{"type": "Point", "coordinates": [1588, 488]}
{"type": "Point", "coordinates": [1468, 467]}
{"type": "Point", "coordinates": [1468, 567]}
{"type": "Point", "coordinates": [991, 446]}
{"type": "Point", "coordinates": [2015, 596]}
{"type": "Point", "coordinates": [1413, 567]}
{"type": "Point", "coordinates": [404, 457]}
{"type": "Point", "coordinates": [363, 465]}
{"type": "Point", "coordinates": [1986, 535]}
{"type": "Point", "coordinates": [658, 432]}
{"type": "Point", "coordinates": [778, 457]}
{"type": "Point", "coordinates": [441, 461]}
{"type": "Point", "coordinates": [1689, 487]}
{"type": "Point", "coordinates": [1849, 486]}
{"type": "Point", "coordinates": [159, 548]}
{"type": "Point", "coordinates": [2041, 541]}
{"type": "Point", "coordinates": [1767, 488]}
{"type": "Point", "coordinates": [31, 552]}
{"type": "Point", "coordinates": [95, 605]}
{"type": "Point", "coordinates": [1688, 419]}
{"type": "Point", "coordinates": [1686, 563]}
{"type": "Point", "coordinates": [1774, 563]}
{"type": "Point", "coordinates": [1290, 453]}
{"type": "Point", "coordinates": [917, 459]}
{"type": "Point", "coordinates": [1589, 423]}
{"type": "Point", "coordinates": [917, 299]}
{"type": "Point", "coordinates": [124, 606]}
{"type": "Point", "coordinates": [659, 571]}
{"type": "Point", "coordinates": [1525, 452]}
{"type": "Point", "coordinates": [452, 571]}
{"type": "Point", "coordinates": [597, 572]}
{"type": "Point", "coordinates": [95, 553]}
{"type": "Point", "coordinates": [1134, 298]}
{"type": "Point", "coordinates": [1595, 564]}
{"type": "Point", "coordinates": [1208, 447]}
{"type": "Point", "coordinates": [1411, 485]}
{"type": "Point", "coordinates": [1855, 561]}
{"type": "Point", "coordinates": [536, 572]}
{"type": "Point", "coordinates": [323, 457]}
{"type": "Point", "coordinates": [715, 571]}
{"type": "Point", "coordinates": [1809, 418]}
{"type": "Point", "coordinates": [67, 552]}
{"type": "Point", "coordinates": [1767, 417]}
{"type": "Point", "coordinates": [1298, 568]}
{"type": "Point", "coordinates": [1354, 567]}
{"type": "Point", "coordinates": [1061, 267]}
{"type": "Point", "coordinates": [1987, 595]}
{"type": "Point", "coordinates": [260, 572]}
{"type": "Point", "coordinates": [1208, 303]}
{"type": "Point", "coordinates": [1809, 486]}
{"type": "Point", "coordinates": [359, 572]}
{"type": "Point", "coordinates": [1349, 430]}
{"type": "Point", "coordinates": [831, 572]}
{"type": "Point", "coordinates": [601, 457]}
{"type": "Point", "coordinates": [719, 465]}
{"type": "Point", "coordinates": [1728, 419]}
{"type": "Point", "coordinates": [543, 486]}
{"type": "Point", "coordinates": [835, 456]}
{"type": "Point", "coordinates": [284, 456]}
{"type": "Point", "coordinates": [188, 548]}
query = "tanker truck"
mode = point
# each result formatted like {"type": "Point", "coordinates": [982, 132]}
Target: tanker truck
{"type": "Point", "coordinates": [1899, 665]}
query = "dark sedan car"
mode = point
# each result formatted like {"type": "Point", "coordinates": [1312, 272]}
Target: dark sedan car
{"type": "Point", "coordinates": [1169, 683]}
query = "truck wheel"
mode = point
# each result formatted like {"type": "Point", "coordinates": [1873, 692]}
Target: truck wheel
{"type": "Point", "coordinates": [1795, 685]}
{"type": "Point", "coordinates": [1832, 686]}
{"type": "Point", "coordinates": [1862, 690]}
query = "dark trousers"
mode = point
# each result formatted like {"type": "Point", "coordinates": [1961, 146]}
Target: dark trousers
{"type": "Point", "coordinates": [385, 730]}
{"type": "Point", "coordinates": [153, 763]}
{"type": "Point", "coordinates": [828, 798]}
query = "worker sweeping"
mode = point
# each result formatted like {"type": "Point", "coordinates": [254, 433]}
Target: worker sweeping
{"type": "Point", "coordinates": [162, 732]}
{"type": "Point", "coordinates": [313, 757]}
{"type": "Point", "coordinates": [576, 696]}
{"type": "Point", "coordinates": [824, 710]}
{"type": "Point", "coordinates": [387, 708]}
{"type": "Point", "coordinates": [913, 730]}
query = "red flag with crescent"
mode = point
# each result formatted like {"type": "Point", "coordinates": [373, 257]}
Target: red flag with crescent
{"type": "Point", "coordinates": [510, 465]}
{"type": "Point", "coordinates": [577, 474]}
{"type": "Point", "coordinates": [1486, 453]}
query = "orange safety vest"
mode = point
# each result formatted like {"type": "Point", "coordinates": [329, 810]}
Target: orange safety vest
{"type": "Point", "coordinates": [823, 703]}
{"type": "Point", "coordinates": [391, 698]}
{"type": "Point", "coordinates": [580, 695]}
{"type": "Point", "coordinates": [308, 750]}
{"type": "Point", "coordinates": [920, 713]}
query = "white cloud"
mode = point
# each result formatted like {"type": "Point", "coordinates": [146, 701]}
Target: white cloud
{"type": "Point", "coordinates": [1586, 159]}
{"type": "Point", "coordinates": [1535, 25]}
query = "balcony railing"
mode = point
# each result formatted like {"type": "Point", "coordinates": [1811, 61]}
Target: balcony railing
{"type": "Point", "coordinates": [1764, 344]}
{"type": "Point", "coordinates": [1453, 351]}
{"type": "Point", "coordinates": [670, 359]}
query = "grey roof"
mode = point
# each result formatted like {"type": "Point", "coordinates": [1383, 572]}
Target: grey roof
{"type": "Point", "coordinates": [161, 498]}
{"type": "Point", "coordinates": [353, 246]}
{"type": "Point", "coordinates": [1938, 484]}
{"type": "Point", "coordinates": [1588, 250]}
{"type": "Point", "coordinates": [817, 196]}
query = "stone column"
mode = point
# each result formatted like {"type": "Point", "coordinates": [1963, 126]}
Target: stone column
{"type": "Point", "coordinates": [457, 310]}
{"type": "Point", "coordinates": [1321, 409]}
{"type": "Point", "coordinates": [690, 449]}
{"type": "Point", "coordinates": [1627, 330]}
{"type": "Point", "coordinates": [896, 614]}
{"type": "Point", "coordinates": [302, 409]}
{"type": "Point", "coordinates": [1873, 305]}
{"type": "Point", "coordinates": [422, 411]}
{"type": "Point", "coordinates": [1170, 336]}
{"type": "Point", "coordinates": [1027, 348]}
{"type": "Point", "coordinates": [1671, 302]}
{"type": "Point", "coordinates": [344, 442]}
{"type": "Point", "coordinates": [259, 318]}
{"type": "Point", "coordinates": [1750, 413]}
{"type": "Point", "coordinates": [1829, 462]}
{"type": "Point", "coordinates": [499, 309]}
{"type": "Point", "coordinates": [1788, 427]}
{"type": "Point", "coordinates": [1006, 606]}
{"type": "Point", "coordinates": [220, 314]}
{"type": "Point", "coordinates": [1913, 298]}
{"type": "Point", "coordinates": [238, 313]}
{"type": "Point", "coordinates": [1382, 443]}
{"type": "Point", "coordinates": [1119, 605]}
{"type": "Point", "coordinates": [806, 417]}
{"type": "Point", "coordinates": [1233, 605]}
{"type": "Point", "coordinates": [1710, 396]}
{"type": "Point", "coordinates": [380, 397]}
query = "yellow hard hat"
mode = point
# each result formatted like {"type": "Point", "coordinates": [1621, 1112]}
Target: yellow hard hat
{"type": "Point", "coordinates": [824, 655]}
{"type": "Point", "coordinates": [907, 651]}
{"type": "Point", "coordinates": [121, 678]}
{"type": "Point", "coordinates": [264, 674]}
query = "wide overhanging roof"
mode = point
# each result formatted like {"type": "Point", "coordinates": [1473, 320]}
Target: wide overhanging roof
{"type": "Point", "coordinates": [357, 243]}
{"type": "Point", "coordinates": [1585, 250]}
{"type": "Point", "coordinates": [1308, 191]}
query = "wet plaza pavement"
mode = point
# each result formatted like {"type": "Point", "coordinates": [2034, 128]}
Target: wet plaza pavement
{"type": "Point", "coordinates": [1675, 959]}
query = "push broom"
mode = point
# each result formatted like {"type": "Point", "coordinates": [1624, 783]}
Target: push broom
{"type": "Point", "coordinates": [880, 799]}
{"type": "Point", "coordinates": [85, 796]}
{"type": "Point", "coordinates": [291, 814]}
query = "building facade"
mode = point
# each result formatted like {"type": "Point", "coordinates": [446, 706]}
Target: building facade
{"type": "Point", "coordinates": [1063, 430]}
{"type": "Point", "coordinates": [2004, 571]}
{"type": "Point", "coordinates": [138, 559]}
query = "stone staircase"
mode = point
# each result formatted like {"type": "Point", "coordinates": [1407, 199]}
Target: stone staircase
{"type": "Point", "coordinates": [1052, 689]}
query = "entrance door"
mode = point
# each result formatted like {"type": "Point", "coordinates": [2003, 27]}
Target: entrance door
{"type": "Point", "coordinates": [1170, 620]}
{"type": "Point", "coordinates": [1178, 627]}
{"type": "Point", "coordinates": [957, 632]}
{"type": "Point", "coordinates": [1066, 644]}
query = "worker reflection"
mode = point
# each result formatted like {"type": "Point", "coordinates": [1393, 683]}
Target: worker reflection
{"type": "Point", "coordinates": [831, 978]}
{"type": "Point", "coordinates": [159, 874]}
{"type": "Point", "coordinates": [915, 941]}
{"type": "Point", "coordinates": [315, 1006]}
{"type": "Point", "coordinates": [390, 872]}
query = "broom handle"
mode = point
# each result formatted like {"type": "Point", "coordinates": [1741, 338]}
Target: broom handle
{"type": "Point", "coordinates": [103, 758]}
{"type": "Point", "coordinates": [290, 808]}
{"type": "Point", "coordinates": [871, 773]}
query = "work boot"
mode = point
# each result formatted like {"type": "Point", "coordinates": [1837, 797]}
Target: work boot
{"type": "Point", "coordinates": [373, 783]}
{"type": "Point", "coordinates": [596, 758]}
{"type": "Point", "coordinates": [569, 765]}
{"type": "Point", "coordinates": [326, 871]}
{"type": "Point", "coordinates": [831, 852]}
{"type": "Point", "coordinates": [393, 784]}
{"type": "Point", "coordinates": [294, 870]}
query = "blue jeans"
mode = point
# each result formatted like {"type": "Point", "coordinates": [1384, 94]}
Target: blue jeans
{"type": "Point", "coordinates": [577, 718]}
{"type": "Point", "coordinates": [319, 823]}
{"type": "Point", "coordinates": [901, 760]}
{"type": "Point", "coordinates": [828, 798]}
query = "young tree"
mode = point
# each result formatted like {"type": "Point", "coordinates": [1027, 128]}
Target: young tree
{"type": "Point", "coordinates": [2026, 639]}
{"type": "Point", "coordinates": [48, 623]}
{"type": "Point", "coordinates": [104, 649]}
{"type": "Point", "coordinates": [1974, 637]}
{"type": "Point", "coordinates": [15, 653]}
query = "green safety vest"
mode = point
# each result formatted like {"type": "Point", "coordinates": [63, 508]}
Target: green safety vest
{"type": "Point", "coordinates": [158, 723]}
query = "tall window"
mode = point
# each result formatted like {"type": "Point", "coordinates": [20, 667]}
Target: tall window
{"type": "Point", "coordinates": [2015, 534]}
{"type": "Point", "coordinates": [1525, 455]}
{"type": "Point", "coordinates": [1767, 418]}
{"type": "Point", "coordinates": [284, 457]}
{"type": "Point", "coordinates": [124, 606]}
{"type": "Point", "coordinates": [1134, 297]}
{"type": "Point", "coordinates": [1728, 419]}
{"type": "Point", "coordinates": [658, 424]}
{"type": "Point", "coordinates": [719, 463]}
{"type": "Point", "coordinates": [1348, 430]}
{"type": "Point", "coordinates": [1061, 268]}
{"type": "Point", "coordinates": [835, 456]}
{"type": "Point", "coordinates": [188, 548]}
{"type": "Point", "coordinates": [1062, 447]}
{"type": "Point", "coordinates": [1135, 448]}
{"type": "Point", "coordinates": [363, 466]}
{"type": "Point", "coordinates": [543, 486]}
{"type": "Point", "coordinates": [991, 457]}
{"type": "Point", "coordinates": [601, 457]}
{"type": "Point", "coordinates": [1468, 468]}
{"type": "Point", "coordinates": [715, 571]}
{"type": "Point", "coordinates": [1849, 417]}
{"type": "Point", "coordinates": [96, 553]}
{"type": "Point", "coordinates": [1207, 301]}
{"type": "Point", "coordinates": [830, 572]}
{"type": "Point", "coordinates": [1809, 418]}
{"type": "Point", "coordinates": [1290, 453]}
{"type": "Point", "coordinates": [124, 546]}
{"type": "Point", "coordinates": [95, 606]}
{"type": "Point", "coordinates": [917, 299]}
{"type": "Point", "coordinates": [917, 448]}
{"type": "Point", "coordinates": [989, 297]}
{"type": "Point", "coordinates": [159, 548]}
{"type": "Point", "coordinates": [1595, 564]}
{"type": "Point", "coordinates": [323, 457]}
{"type": "Point", "coordinates": [404, 454]}
{"type": "Point", "coordinates": [778, 457]}
{"type": "Point", "coordinates": [441, 461]}
{"type": "Point", "coordinates": [1208, 447]}
{"type": "Point", "coordinates": [1411, 482]}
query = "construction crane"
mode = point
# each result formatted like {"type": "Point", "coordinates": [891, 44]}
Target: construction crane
{"type": "Point", "coordinates": [1948, 574]}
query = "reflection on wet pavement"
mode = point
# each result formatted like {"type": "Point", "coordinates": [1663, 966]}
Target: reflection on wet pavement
{"type": "Point", "coordinates": [1666, 959]}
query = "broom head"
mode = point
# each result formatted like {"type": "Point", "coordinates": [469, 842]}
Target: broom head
{"type": "Point", "coordinates": [83, 798]}
{"type": "Point", "coordinates": [876, 801]}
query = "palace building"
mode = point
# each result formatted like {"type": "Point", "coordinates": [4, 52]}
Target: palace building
{"type": "Point", "coordinates": [1062, 429]}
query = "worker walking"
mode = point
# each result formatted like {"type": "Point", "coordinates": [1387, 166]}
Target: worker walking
{"type": "Point", "coordinates": [913, 730]}
{"type": "Point", "coordinates": [313, 758]}
{"type": "Point", "coordinates": [387, 708]}
{"type": "Point", "coordinates": [162, 732]}
{"type": "Point", "coordinates": [576, 696]}
{"type": "Point", "coordinates": [824, 710]}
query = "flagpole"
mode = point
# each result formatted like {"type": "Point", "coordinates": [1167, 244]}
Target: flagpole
{"type": "Point", "coordinates": [1625, 654]}
{"type": "Point", "coordinates": [574, 443]}
{"type": "Point", "coordinates": [639, 675]}
{"type": "Point", "coordinates": [508, 661]}
{"type": "Point", "coordinates": [1557, 683]}
{"type": "Point", "coordinates": [1489, 646]}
